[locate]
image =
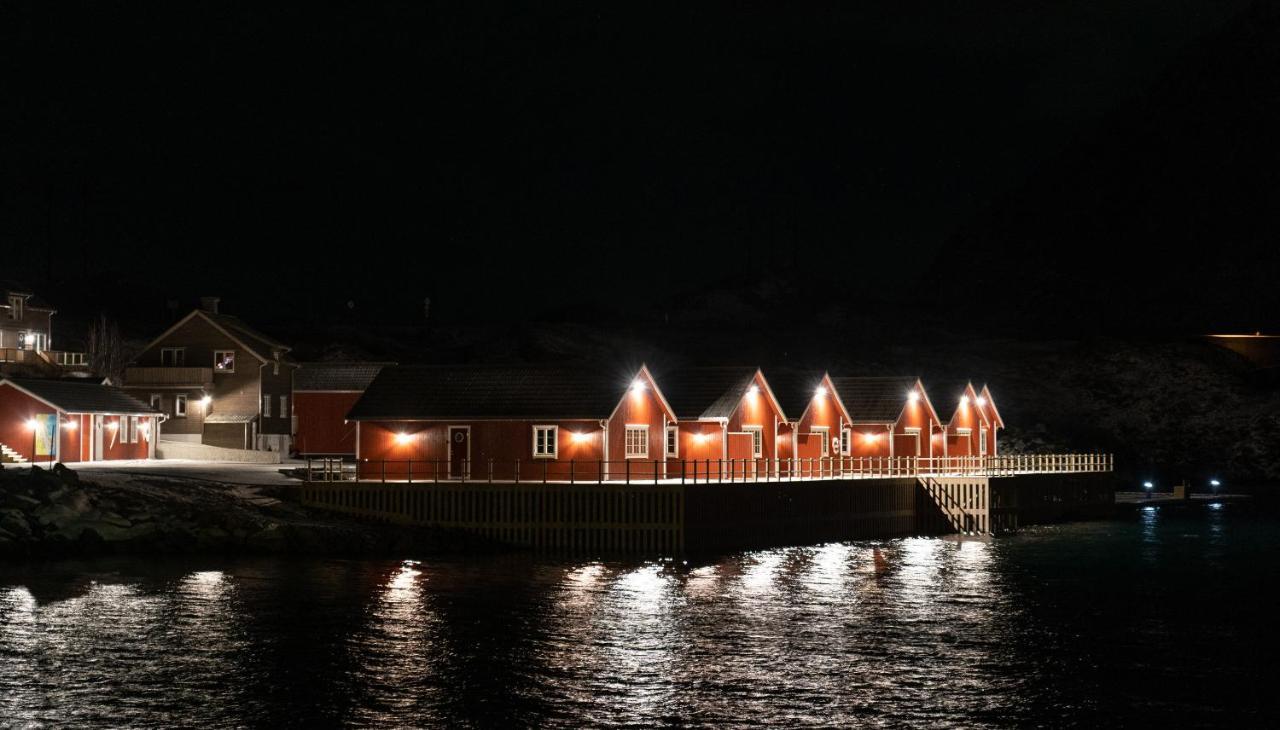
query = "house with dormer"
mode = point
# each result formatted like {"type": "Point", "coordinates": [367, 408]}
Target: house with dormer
{"type": "Point", "coordinates": [218, 381]}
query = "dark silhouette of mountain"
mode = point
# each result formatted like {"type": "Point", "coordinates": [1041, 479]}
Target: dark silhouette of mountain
{"type": "Point", "coordinates": [1166, 220]}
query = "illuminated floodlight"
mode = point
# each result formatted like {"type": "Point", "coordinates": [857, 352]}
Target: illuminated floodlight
{"type": "Point", "coordinates": [1147, 485]}
{"type": "Point", "coordinates": [205, 401]}
{"type": "Point", "coordinates": [637, 385]}
{"type": "Point", "coordinates": [702, 438]}
{"type": "Point", "coordinates": [113, 425]}
{"type": "Point", "coordinates": [579, 436]}
{"type": "Point", "coordinates": [69, 425]}
{"type": "Point", "coordinates": [821, 391]}
{"type": "Point", "coordinates": [1215, 483]}
{"type": "Point", "coordinates": [753, 389]}
{"type": "Point", "coordinates": [403, 438]}
{"type": "Point", "coordinates": [964, 400]}
{"type": "Point", "coordinates": [913, 396]}
{"type": "Point", "coordinates": [870, 437]}
{"type": "Point", "coordinates": [981, 401]}
{"type": "Point", "coordinates": [31, 424]}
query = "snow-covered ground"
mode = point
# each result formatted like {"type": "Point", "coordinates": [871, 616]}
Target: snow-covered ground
{"type": "Point", "coordinates": [227, 473]}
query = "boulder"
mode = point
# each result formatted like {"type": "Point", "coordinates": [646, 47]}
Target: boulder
{"type": "Point", "coordinates": [15, 523]}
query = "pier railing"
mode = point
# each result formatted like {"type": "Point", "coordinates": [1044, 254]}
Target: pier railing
{"type": "Point", "coordinates": [697, 471]}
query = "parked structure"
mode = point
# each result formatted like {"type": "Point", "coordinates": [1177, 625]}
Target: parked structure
{"type": "Point", "coordinates": [71, 421]}
{"type": "Point", "coordinates": [818, 424]}
{"type": "Point", "coordinates": [966, 432]}
{"type": "Point", "coordinates": [26, 335]}
{"type": "Point", "coordinates": [323, 394]}
{"type": "Point", "coordinates": [722, 413]}
{"type": "Point", "coordinates": [219, 381]}
{"type": "Point", "coordinates": [994, 422]}
{"type": "Point", "coordinates": [891, 416]}
{"type": "Point", "coordinates": [511, 422]}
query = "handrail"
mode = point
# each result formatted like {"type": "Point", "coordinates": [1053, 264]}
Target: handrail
{"type": "Point", "coordinates": [700, 471]}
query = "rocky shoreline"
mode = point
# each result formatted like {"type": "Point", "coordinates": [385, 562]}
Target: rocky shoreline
{"type": "Point", "coordinates": [53, 513]}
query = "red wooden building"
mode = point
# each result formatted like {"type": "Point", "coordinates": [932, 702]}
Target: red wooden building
{"type": "Point", "coordinates": [818, 424]}
{"type": "Point", "coordinates": [964, 432]}
{"type": "Point", "coordinates": [323, 394]}
{"type": "Point", "coordinates": [722, 413]}
{"type": "Point", "coordinates": [994, 421]}
{"type": "Point", "coordinates": [73, 420]}
{"type": "Point", "coordinates": [507, 422]}
{"type": "Point", "coordinates": [891, 416]}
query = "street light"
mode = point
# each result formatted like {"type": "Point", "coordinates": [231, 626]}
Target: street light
{"type": "Point", "coordinates": [1148, 486]}
{"type": "Point", "coordinates": [1215, 484]}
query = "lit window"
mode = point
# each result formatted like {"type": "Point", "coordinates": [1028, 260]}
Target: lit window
{"type": "Point", "coordinates": [180, 405]}
{"type": "Point", "coordinates": [846, 440]}
{"type": "Point", "coordinates": [224, 361]}
{"type": "Point", "coordinates": [174, 357]}
{"type": "Point", "coordinates": [637, 442]}
{"type": "Point", "coordinates": [266, 406]}
{"type": "Point", "coordinates": [757, 440]}
{"type": "Point", "coordinates": [673, 442]}
{"type": "Point", "coordinates": [545, 442]}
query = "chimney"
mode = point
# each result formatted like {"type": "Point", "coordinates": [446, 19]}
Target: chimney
{"type": "Point", "coordinates": [210, 304]}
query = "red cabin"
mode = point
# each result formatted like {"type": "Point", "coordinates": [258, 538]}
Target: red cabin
{"type": "Point", "coordinates": [511, 422]}
{"type": "Point", "coordinates": [962, 435]}
{"type": "Point", "coordinates": [323, 394]}
{"type": "Point", "coordinates": [723, 414]}
{"type": "Point", "coordinates": [987, 404]}
{"type": "Point", "coordinates": [891, 416]}
{"type": "Point", "coordinates": [72, 421]}
{"type": "Point", "coordinates": [818, 424]}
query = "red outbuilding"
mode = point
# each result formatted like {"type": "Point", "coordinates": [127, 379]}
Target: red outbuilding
{"type": "Point", "coordinates": [963, 434]}
{"type": "Point", "coordinates": [817, 425]}
{"type": "Point", "coordinates": [723, 414]}
{"type": "Point", "coordinates": [891, 416]}
{"type": "Point", "coordinates": [323, 394]}
{"type": "Point", "coordinates": [72, 421]}
{"type": "Point", "coordinates": [987, 443]}
{"type": "Point", "coordinates": [511, 422]}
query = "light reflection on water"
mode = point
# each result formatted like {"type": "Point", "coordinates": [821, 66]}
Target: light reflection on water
{"type": "Point", "coordinates": [1111, 623]}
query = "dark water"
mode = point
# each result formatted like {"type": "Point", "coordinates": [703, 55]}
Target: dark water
{"type": "Point", "coordinates": [1157, 619]}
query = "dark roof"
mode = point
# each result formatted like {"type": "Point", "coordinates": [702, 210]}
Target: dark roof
{"type": "Point", "coordinates": [78, 396]}
{"type": "Point", "coordinates": [794, 389]}
{"type": "Point", "coordinates": [9, 286]}
{"type": "Point", "coordinates": [519, 392]}
{"type": "Point", "coordinates": [878, 400]}
{"type": "Point", "coordinates": [258, 342]}
{"type": "Point", "coordinates": [336, 375]}
{"type": "Point", "coordinates": [710, 392]}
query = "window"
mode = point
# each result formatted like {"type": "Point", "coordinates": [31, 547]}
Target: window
{"type": "Point", "coordinates": [284, 406]}
{"type": "Point", "coordinates": [963, 431]}
{"type": "Point", "coordinates": [637, 442]}
{"type": "Point", "coordinates": [133, 429]}
{"type": "Point", "coordinates": [180, 405]}
{"type": "Point", "coordinates": [155, 401]}
{"type": "Point", "coordinates": [757, 440]}
{"type": "Point", "coordinates": [846, 440]}
{"type": "Point", "coordinates": [15, 307]}
{"type": "Point", "coordinates": [982, 441]}
{"type": "Point", "coordinates": [224, 361]}
{"type": "Point", "coordinates": [545, 442]}
{"type": "Point", "coordinates": [673, 442]}
{"type": "Point", "coordinates": [824, 437]}
{"type": "Point", "coordinates": [266, 406]}
{"type": "Point", "coordinates": [173, 357]}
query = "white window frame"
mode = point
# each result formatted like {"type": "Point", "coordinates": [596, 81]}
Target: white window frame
{"type": "Point", "coordinates": [217, 357]}
{"type": "Point", "coordinates": [180, 405]}
{"type": "Point", "coordinates": [962, 431]}
{"type": "Point", "coordinates": [643, 430]}
{"type": "Point", "coordinates": [266, 406]}
{"type": "Point", "coordinates": [552, 438]}
{"type": "Point", "coordinates": [825, 433]}
{"type": "Point", "coordinates": [179, 357]}
{"type": "Point", "coordinates": [157, 401]}
{"type": "Point", "coordinates": [673, 442]}
{"type": "Point", "coordinates": [284, 406]}
{"type": "Point", "coordinates": [846, 441]}
{"type": "Point", "coordinates": [757, 440]}
{"type": "Point", "coordinates": [133, 429]}
{"type": "Point", "coordinates": [982, 441]}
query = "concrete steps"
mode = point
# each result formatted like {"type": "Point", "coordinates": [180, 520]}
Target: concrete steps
{"type": "Point", "coordinates": [9, 456]}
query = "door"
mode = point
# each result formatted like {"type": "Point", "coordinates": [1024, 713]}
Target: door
{"type": "Point", "coordinates": [459, 451]}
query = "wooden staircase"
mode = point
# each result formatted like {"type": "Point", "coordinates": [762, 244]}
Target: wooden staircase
{"type": "Point", "coordinates": [965, 502]}
{"type": "Point", "coordinates": [9, 456]}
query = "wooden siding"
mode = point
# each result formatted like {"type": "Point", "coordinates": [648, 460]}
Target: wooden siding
{"type": "Point", "coordinates": [320, 417]}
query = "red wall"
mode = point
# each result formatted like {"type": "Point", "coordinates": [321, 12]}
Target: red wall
{"type": "Point", "coordinates": [113, 449]}
{"type": "Point", "coordinates": [320, 423]}
{"type": "Point", "coordinates": [638, 407]}
{"type": "Point", "coordinates": [16, 408]}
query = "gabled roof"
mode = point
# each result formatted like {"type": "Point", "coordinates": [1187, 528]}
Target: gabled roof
{"type": "Point", "coordinates": [79, 396]}
{"type": "Point", "coordinates": [493, 392]}
{"type": "Point", "coordinates": [950, 392]}
{"type": "Point", "coordinates": [880, 399]}
{"type": "Point", "coordinates": [795, 390]}
{"type": "Point", "coordinates": [336, 376]}
{"type": "Point", "coordinates": [18, 288]}
{"type": "Point", "coordinates": [710, 392]}
{"type": "Point", "coordinates": [991, 403]}
{"type": "Point", "coordinates": [257, 344]}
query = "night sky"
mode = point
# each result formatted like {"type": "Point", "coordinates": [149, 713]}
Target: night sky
{"type": "Point", "coordinates": [544, 162]}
